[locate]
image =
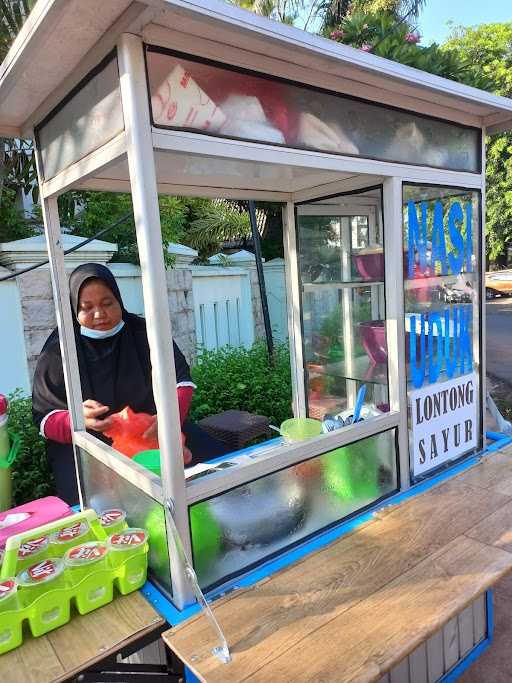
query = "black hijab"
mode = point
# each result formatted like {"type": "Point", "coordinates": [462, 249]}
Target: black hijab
{"type": "Point", "coordinates": [115, 371]}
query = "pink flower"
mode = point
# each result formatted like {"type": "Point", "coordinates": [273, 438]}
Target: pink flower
{"type": "Point", "coordinates": [366, 47]}
{"type": "Point", "coordinates": [412, 38]}
{"type": "Point", "coordinates": [337, 35]}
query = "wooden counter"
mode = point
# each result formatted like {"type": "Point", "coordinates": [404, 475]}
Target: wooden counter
{"type": "Point", "coordinates": [355, 609]}
{"type": "Point", "coordinates": [82, 643]}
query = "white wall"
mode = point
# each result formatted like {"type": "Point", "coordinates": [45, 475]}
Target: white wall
{"type": "Point", "coordinates": [13, 356]}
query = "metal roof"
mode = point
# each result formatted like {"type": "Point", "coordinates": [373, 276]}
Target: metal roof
{"type": "Point", "coordinates": [63, 36]}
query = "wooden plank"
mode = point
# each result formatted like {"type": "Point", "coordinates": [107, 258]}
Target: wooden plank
{"type": "Point", "coordinates": [493, 473]}
{"type": "Point", "coordinates": [35, 662]}
{"type": "Point", "coordinates": [358, 644]}
{"type": "Point", "coordinates": [418, 665]}
{"type": "Point", "coordinates": [435, 657]}
{"type": "Point", "coordinates": [466, 635]}
{"type": "Point", "coordinates": [480, 618]}
{"type": "Point", "coordinates": [496, 529]}
{"type": "Point", "coordinates": [451, 644]}
{"type": "Point", "coordinates": [276, 614]}
{"type": "Point", "coordinates": [88, 639]}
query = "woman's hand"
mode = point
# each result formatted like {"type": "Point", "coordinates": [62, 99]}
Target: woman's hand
{"type": "Point", "coordinates": [152, 433]}
{"type": "Point", "coordinates": [92, 413]}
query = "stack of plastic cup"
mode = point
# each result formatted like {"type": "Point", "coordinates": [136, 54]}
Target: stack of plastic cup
{"type": "Point", "coordinates": [89, 575]}
{"type": "Point", "coordinates": [11, 617]}
{"type": "Point", "coordinates": [69, 536]}
{"type": "Point", "coordinates": [113, 521]}
{"type": "Point", "coordinates": [32, 551]}
{"type": "Point", "coordinates": [128, 555]}
{"type": "Point", "coordinates": [44, 595]}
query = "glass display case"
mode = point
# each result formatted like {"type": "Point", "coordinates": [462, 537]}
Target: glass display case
{"type": "Point", "coordinates": [342, 273]}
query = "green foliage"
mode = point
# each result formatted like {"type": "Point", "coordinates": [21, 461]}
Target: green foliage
{"type": "Point", "coordinates": [31, 475]}
{"type": "Point", "coordinates": [243, 379]}
{"type": "Point", "coordinates": [14, 225]}
{"type": "Point", "coordinates": [382, 35]}
{"type": "Point", "coordinates": [488, 51]}
{"type": "Point", "coordinates": [100, 209]}
{"type": "Point", "coordinates": [217, 222]}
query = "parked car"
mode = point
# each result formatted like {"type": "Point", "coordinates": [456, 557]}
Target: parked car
{"type": "Point", "coordinates": [498, 284]}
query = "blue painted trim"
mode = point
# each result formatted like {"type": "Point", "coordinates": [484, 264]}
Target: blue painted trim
{"type": "Point", "coordinates": [478, 650]}
{"type": "Point", "coordinates": [165, 607]}
{"type": "Point", "coordinates": [190, 676]}
{"type": "Point", "coordinates": [174, 616]}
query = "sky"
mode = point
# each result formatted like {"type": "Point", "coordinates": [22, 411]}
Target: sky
{"type": "Point", "coordinates": [434, 18]}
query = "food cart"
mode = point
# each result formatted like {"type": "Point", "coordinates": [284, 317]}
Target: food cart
{"type": "Point", "coordinates": [380, 170]}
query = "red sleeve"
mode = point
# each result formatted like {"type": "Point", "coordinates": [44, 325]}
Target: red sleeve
{"type": "Point", "coordinates": [184, 399]}
{"type": "Point", "coordinates": [57, 426]}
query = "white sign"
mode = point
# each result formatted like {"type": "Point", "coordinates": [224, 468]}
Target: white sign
{"type": "Point", "coordinates": [444, 422]}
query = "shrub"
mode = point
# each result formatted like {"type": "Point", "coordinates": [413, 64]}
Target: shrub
{"type": "Point", "coordinates": [31, 475]}
{"type": "Point", "coordinates": [243, 379]}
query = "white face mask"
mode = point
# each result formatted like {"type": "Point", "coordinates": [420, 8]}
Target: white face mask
{"type": "Point", "coordinates": [101, 334]}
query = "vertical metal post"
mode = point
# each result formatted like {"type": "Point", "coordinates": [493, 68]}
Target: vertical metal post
{"type": "Point", "coordinates": [261, 281]}
{"type": "Point", "coordinates": [143, 183]}
{"type": "Point", "coordinates": [63, 313]}
{"type": "Point", "coordinates": [395, 322]}
{"type": "Point", "coordinates": [347, 307]}
{"type": "Point", "coordinates": [479, 335]}
{"type": "Point", "coordinates": [294, 317]}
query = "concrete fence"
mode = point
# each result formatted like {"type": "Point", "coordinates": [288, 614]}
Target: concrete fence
{"type": "Point", "coordinates": [209, 306]}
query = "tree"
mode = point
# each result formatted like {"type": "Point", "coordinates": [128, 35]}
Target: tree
{"type": "Point", "coordinates": [487, 49]}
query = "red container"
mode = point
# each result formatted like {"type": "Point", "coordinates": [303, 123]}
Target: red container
{"type": "Point", "coordinates": [369, 264]}
{"type": "Point", "coordinates": [373, 338]}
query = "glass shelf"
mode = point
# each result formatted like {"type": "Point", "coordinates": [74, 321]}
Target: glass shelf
{"type": "Point", "coordinates": [316, 286]}
{"type": "Point", "coordinates": [361, 370]}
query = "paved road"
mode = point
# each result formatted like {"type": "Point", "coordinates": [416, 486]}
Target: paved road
{"type": "Point", "coordinates": [499, 338]}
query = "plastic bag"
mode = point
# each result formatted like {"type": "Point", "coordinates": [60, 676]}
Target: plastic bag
{"type": "Point", "coordinates": [127, 432]}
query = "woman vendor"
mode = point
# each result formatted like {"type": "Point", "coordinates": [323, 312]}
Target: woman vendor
{"type": "Point", "coordinates": [115, 371]}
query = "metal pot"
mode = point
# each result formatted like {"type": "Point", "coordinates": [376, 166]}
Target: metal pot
{"type": "Point", "coordinates": [263, 511]}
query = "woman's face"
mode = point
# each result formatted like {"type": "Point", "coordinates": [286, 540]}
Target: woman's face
{"type": "Point", "coordinates": [98, 309]}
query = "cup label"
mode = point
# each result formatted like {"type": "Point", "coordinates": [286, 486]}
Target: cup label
{"type": "Point", "coordinates": [31, 547]}
{"type": "Point", "coordinates": [111, 517]}
{"type": "Point", "coordinates": [130, 538]}
{"type": "Point", "coordinates": [6, 587]}
{"type": "Point", "coordinates": [42, 570]}
{"type": "Point", "coordinates": [71, 532]}
{"type": "Point", "coordinates": [87, 553]}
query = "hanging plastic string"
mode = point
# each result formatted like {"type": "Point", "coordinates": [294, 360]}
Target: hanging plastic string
{"type": "Point", "coordinates": [113, 225]}
{"type": "Point", "coordinates": [221, 651]}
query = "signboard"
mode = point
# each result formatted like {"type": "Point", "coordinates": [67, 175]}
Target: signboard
{"type": "Point", "coordinates": [443, 422]}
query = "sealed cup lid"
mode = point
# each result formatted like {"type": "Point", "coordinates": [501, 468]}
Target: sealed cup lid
{"type": "Point", "coordinates": [129, 538]}
{"type": "Point", "coordinates": [33, 547]}
{"type": "Point", "coordinates": [111, 517]}
{"type": "Point", "coordinates": [70, 533]}
{"type": "Point", "coordinates": [41, 572]}
{"type": "Point", "coordinates": [7, 587]}
{"type": "Point", "coordinates": [85, 554]}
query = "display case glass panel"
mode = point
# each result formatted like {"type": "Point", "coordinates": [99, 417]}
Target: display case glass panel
{"type": "Point", "coordinates": [88, 118]}
{"type": "Point", "coordinates": [240, 528]}
{"type": "Point", "coordinates": [442, 322]}
{"type": "Point", "coordinates": [189, 94]}
{"type": "Point", "coordinates": [341, 264]}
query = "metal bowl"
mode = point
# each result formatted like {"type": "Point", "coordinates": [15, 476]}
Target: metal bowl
{"type": "Point", "coordinates": [263, 511]}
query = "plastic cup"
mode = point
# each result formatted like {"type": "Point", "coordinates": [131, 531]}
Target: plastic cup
{"type": "Point", "coordinates": [88, 572]}
{"type": "Point", "coordinates": [11, 616]}
{"type": "Point", "coordinates": [113, 521]}
{"type": "Point", "coordinates": [44, 595]}
{"type": "Point", "coordinates": [32, 551]}
{"type": "Point", "coordinates": [129, 557]}
{"type": "Point", "coordinates": [300, 429]}
{"type": "Point", "coordinates": [69, 536]}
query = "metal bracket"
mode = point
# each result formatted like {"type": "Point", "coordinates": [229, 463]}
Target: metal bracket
{"type": "Point", "coordinates": [221, 651]}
